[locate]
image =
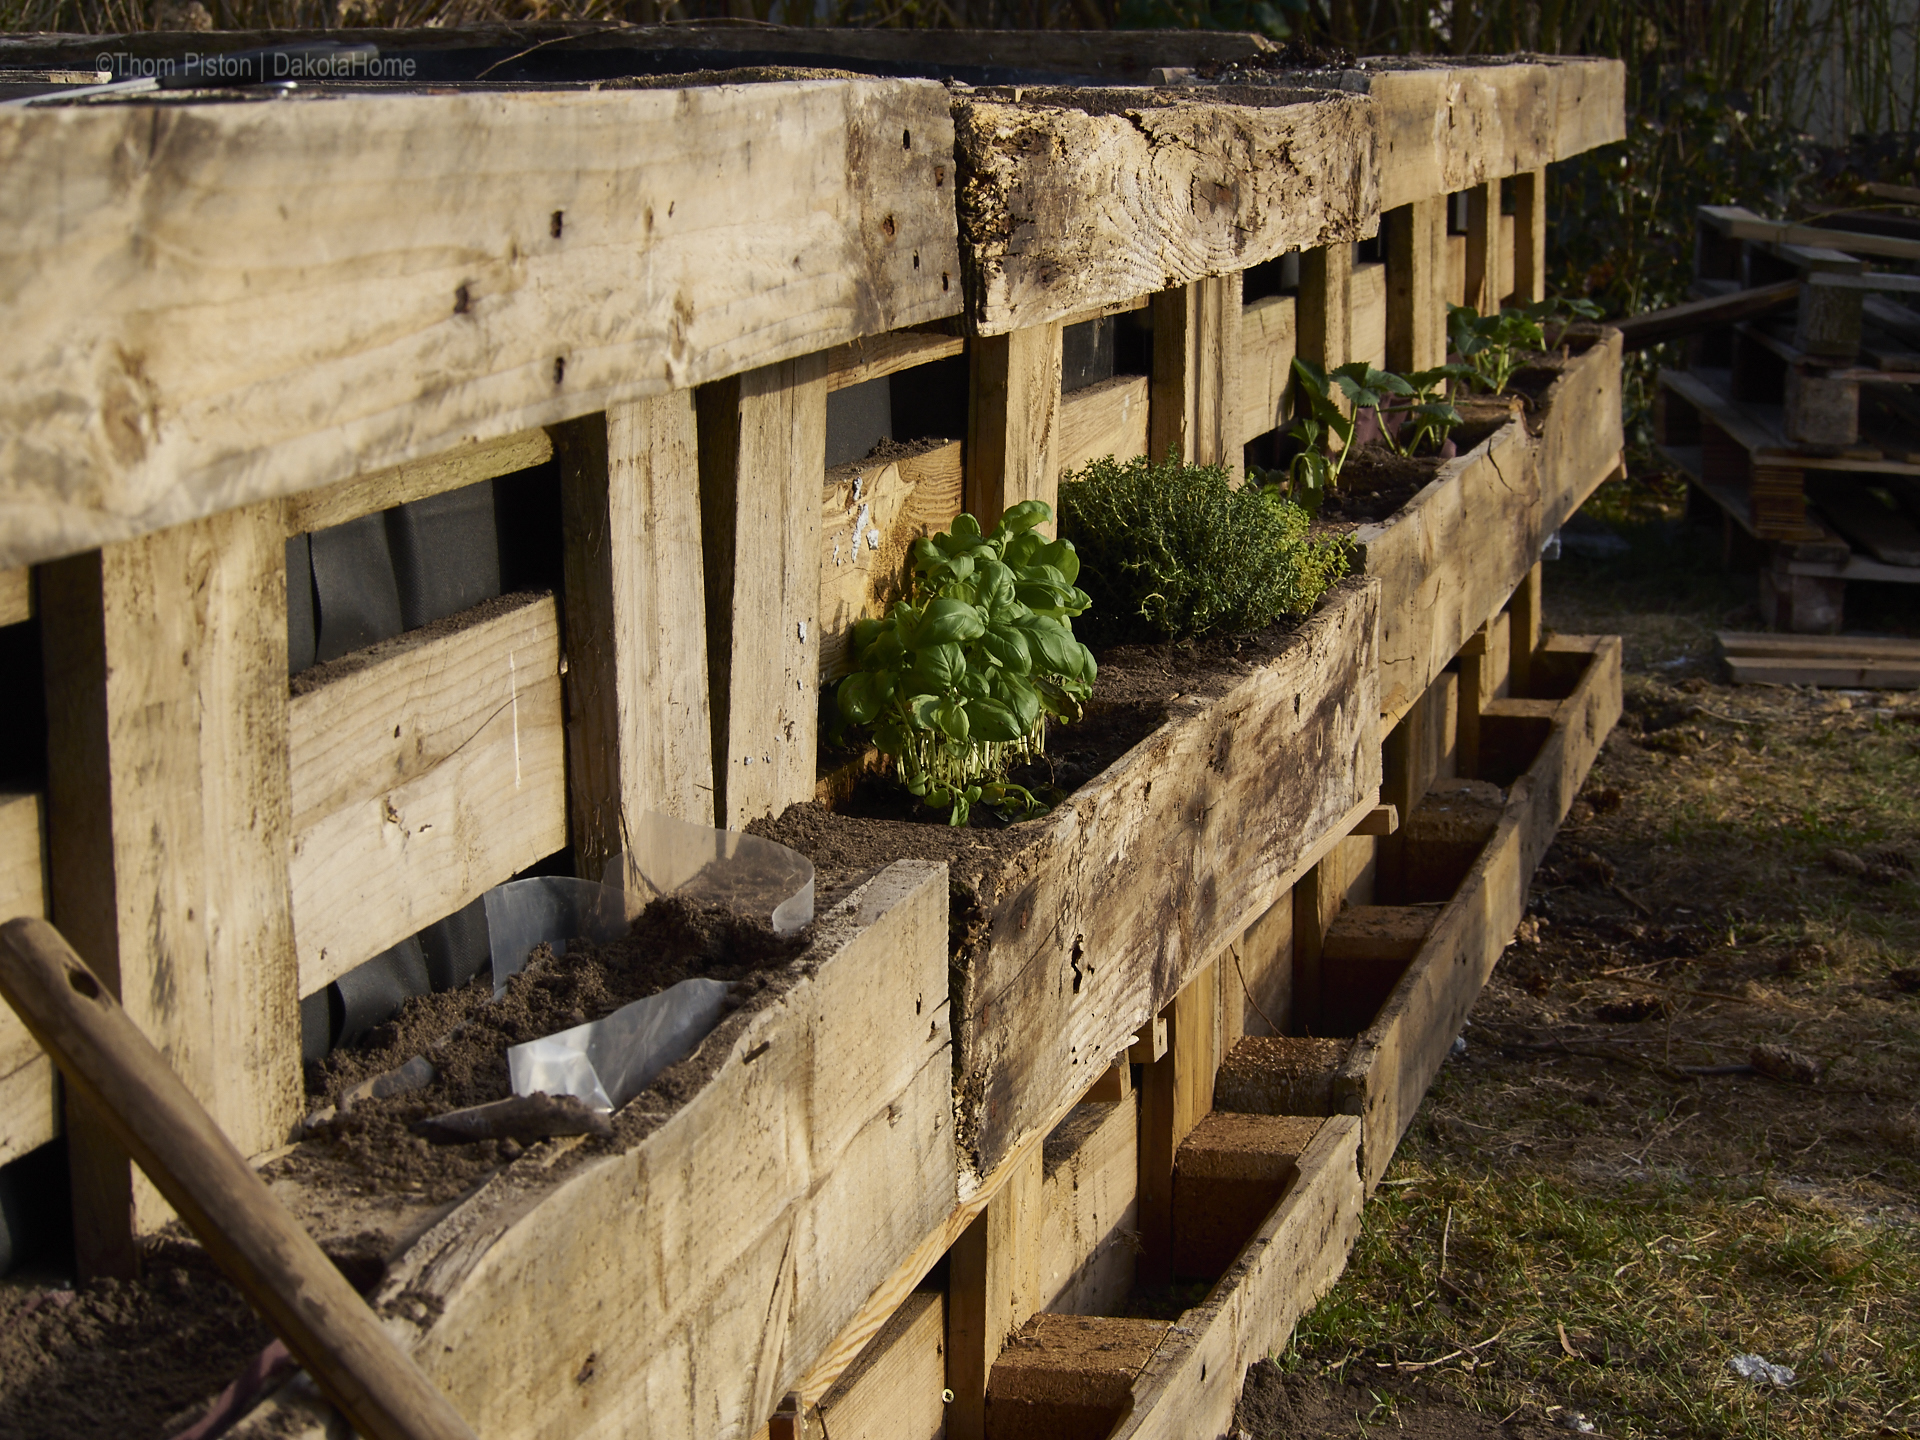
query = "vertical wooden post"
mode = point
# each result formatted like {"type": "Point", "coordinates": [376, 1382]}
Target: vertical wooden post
{"type": "Point", "coordinates": [1523, 635]}
{"type": "Point", "coordinates": [1325, 307]}
{"type": "Point", "coordinates": [1196, 373]}
{"type": "Point", "coordinates": [1529, 236]}
{"type": "Point", "coordinates": [170, 831]}
{"type": "Point", "coordinates": [1416, 285]}
{"type": "Point", "coordinates": [763, 442]}
{"type": "Point", "coordinates": [1483, 247]}
{"type": "Point", "coordinates": [639, 734]}
{"type": "Point", "coordinates": [1176, 1092]}
{"type": "Point", "coordinates": [990, 1292]}
{"type": "Point", "coordinates": [1013, 417]}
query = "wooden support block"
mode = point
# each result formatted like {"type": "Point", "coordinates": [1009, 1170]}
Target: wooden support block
{"type": "Point", "coordinates": [1828, 321]}
{"type": "Point", "coordinates": [16, 595]}
{"type": "Point", "coordinates": [1444, 834]}
{"type": "Point", "coordinates": [1367, 329]}
{"type": "Point", "coordinates": [762, 447]}
{"type": "Point", "coordinates": [1381, 820]}
{"type": "Point", "coordinates": [1279, 1075]}
{"type": "Point", "coordinates": [639, 733]}
{"type": "Point", "coordinates": [1151, 1043]}
{"type": "Point", "coordinates": [1483, 247]}
{"type": "Point", "coordinates": [29, 1100]}
{"type": "Point", "coordinates": [423, 771]}
{"type": "Point", "coordinates": [1325, 305]}
{"type": "Point", "coordinates": [893, 1390]}
{"type": "Point", "coordinates": [990, 1290]}
{"type": "Point", "coordinates": [1416, 304]}
{"type": "Point", "coordinates": [1013, 421]}
{"type": "Point", "coordinates": [1083, 1238]}
{"type": "Point", "coordinates": [1068, 1377]}
{"type": "Point", "coordinates": [1230, 1173]}
{"type": "Point", "coordinates": [1530, 236]}
{"type": "Point", "coordinates": [1821, 410]}
{"type": "Point", "coordinates": [1175, 1092]}
{"type": "Point", "coordinates": [168, 788]}
{"type": "Point", "coordinates": [1115, 1083]}
{"type": "Point", "coordinates": [1196, 373]}
{"type": "Point", "coordinates": [1523, 632]}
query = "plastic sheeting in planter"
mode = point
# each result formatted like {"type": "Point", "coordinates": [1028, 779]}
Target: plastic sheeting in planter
{"type": "Point", "coordinates": [606, 1062]}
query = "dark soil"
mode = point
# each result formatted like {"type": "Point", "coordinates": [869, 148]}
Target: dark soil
{"type": "Point", "coordinates": [1375, 483]}
{"type": "Point", "coordinates": [466, 1034]}
{"type": "Point", "coordinates": [878, 822]}
{"type": "Point", "coordinates": [118, 1361]}
{"type": "Point", "coordinates": [1277, 1406]}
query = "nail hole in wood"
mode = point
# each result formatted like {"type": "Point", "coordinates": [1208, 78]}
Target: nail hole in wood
{"type": "Point", "coordinates": [558, 223]}
{"type": "Point", "coordinates": [462, 301]}
{"type": "Point", "coordinates": [559, 368]}
{"type": "Point", "coordinates": [906, 139]}
{"type": "Point", "coordinates": [84, 983]}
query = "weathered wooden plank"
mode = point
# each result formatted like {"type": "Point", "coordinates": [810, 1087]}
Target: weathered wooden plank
{"type": "Point", "coordinates": [1416, 322]}
{"type": "Point", "coordinates": [1190, 1386]}
{"type": "Point", "coordinates": [29, 1102]}
{"type": "Point", "coordinates": [1267, 339]}
{"type": "Point", "coordinates": [682, 1285]}
{"type": "Point", "coordinates": [892, 1392]}
{"type": "Point", "coordinates": [327, 294]}
{"type": "Point", "coordinates": [427, 773]}
{"type": "Point", "coordinates": [1483, 290]}
{"type": "Point", "coordinates": [763, 438]}
{"type": "Point", "coordinates": [1448, 560]}
{"type": "Point", "coordinates": [1324, 307]}
{"type": "Point", "coordinates": [1444, 130]}
{"type": "Point", "coordinates": [418, 480]}
{"type": "Point", "coordinates": [1108, 418]}
{"type": "Point", "coordinates": [870, 515]}
{"type": "Point", "coordinates": [1088, 1212]}
{"type": "Point", "coordinates": [638, 729]}
{"type": "Point", "coordinates": [1196, 372]}
{"type": "Point", "coordinates": [1387, 1072]}
{"type": "Point", "coordinates": [166, 678]}
{"type": "Point", "coordinates": [1528, 252]}
{"type": "Point", "coordinates": [875, 356]}
{"type": "Point", "coordinates": [1176, 1091]}
{"type": "Point", "coordinates": [990, 1292]}
{"type": "Point", "coordinates": [1581, 437]}
{"type": "Point", "coordinates": [16, 595]}
{"type": "Point", "coordinates": [1147, 873]}
{"type": "Point", "coordinates": [1367, 295]}
{"type": "Point", "coordinates": [1075, 198]}
{"type": "Point", "coordinates": [1013, 421]}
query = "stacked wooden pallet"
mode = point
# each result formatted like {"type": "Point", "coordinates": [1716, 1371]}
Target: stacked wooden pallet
{"type": "Point", "coordinates": [451, 324]}
{"type": "Point", "coordinates": [1814, 406]}
{"type": "Point", "coordinates": [1848, 662]}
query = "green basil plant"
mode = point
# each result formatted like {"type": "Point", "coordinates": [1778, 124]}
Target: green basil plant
{"type": "Point", "coordinates": [956, 684]}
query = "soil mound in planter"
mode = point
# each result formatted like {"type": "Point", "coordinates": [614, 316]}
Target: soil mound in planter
{"type": "Point", "coordinates": [465, 1033]}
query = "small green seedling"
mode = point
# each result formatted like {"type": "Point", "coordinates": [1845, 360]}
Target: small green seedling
{"type": "Point", "coordinates": [1318, 465]}
{"type": "Point", "coordinates": [956, 684]}
{"type": "Point", "coordinates": [1492, 345]}
{"type": "Point", "coordinates": [1431, 418]}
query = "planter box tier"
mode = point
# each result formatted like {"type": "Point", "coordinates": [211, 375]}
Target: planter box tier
{"type": "Point", "coordinates": [679, 1279]}
{"type": "Point", "coordinates": [1084, 924]}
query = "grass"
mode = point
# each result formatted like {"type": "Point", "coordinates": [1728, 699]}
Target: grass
{"type": "Point", "coordinates": [1568, 1174]}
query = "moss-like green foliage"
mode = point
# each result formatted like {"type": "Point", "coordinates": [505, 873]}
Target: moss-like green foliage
{"type": "Point", "coordinates": [1171, 551]}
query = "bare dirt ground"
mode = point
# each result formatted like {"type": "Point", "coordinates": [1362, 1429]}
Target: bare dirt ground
{"type": "Point", "coordinates": [1687, 1124]}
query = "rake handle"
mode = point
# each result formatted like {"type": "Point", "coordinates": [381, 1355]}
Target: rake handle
{"type": "Point", "coordinates": [253, 1238]}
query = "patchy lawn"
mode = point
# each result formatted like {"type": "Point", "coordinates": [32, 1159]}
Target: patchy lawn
{"type": "Point", "coordinates": [1687, 1125]}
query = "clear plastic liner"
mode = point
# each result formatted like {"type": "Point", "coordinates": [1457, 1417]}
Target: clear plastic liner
{"type": "Point", "coordinates": [606, 1062]}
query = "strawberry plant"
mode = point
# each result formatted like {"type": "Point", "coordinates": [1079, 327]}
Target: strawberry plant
{"type": "Point", "coordinates": [1430, 418]}
{"type": "Point", "coordinates": [1325, 420]}
{"type": "Point", "coordinates": [1493, 345]}
{"type": "Point", "coordinates": [956, 683]}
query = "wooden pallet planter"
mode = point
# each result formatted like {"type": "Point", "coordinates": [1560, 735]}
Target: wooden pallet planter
{"type": "Point", "coordinates": [682, 1284]}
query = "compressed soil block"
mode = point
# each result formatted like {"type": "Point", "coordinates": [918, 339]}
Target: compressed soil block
{"type": "Point", "coordinates": [1228, 1174]}
{"type": "Point", "coordinates": [1279, 1075]}
{"type": "Point", "coordinates": [1366, 950]}
{"type": "Point", "coordinates": [1068, 1377]}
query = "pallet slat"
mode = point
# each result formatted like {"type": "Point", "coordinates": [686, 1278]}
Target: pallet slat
{"type": "Point", "coordinates": [29, 1102]}
{"type": "Point", "coordinates": [424, 776]}
{"type": "Point", "coordinates": [1108, 418]}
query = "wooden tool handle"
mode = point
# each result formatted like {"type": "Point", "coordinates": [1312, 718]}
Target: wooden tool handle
{"type": "Point", "coordinates": [261, 1247]}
